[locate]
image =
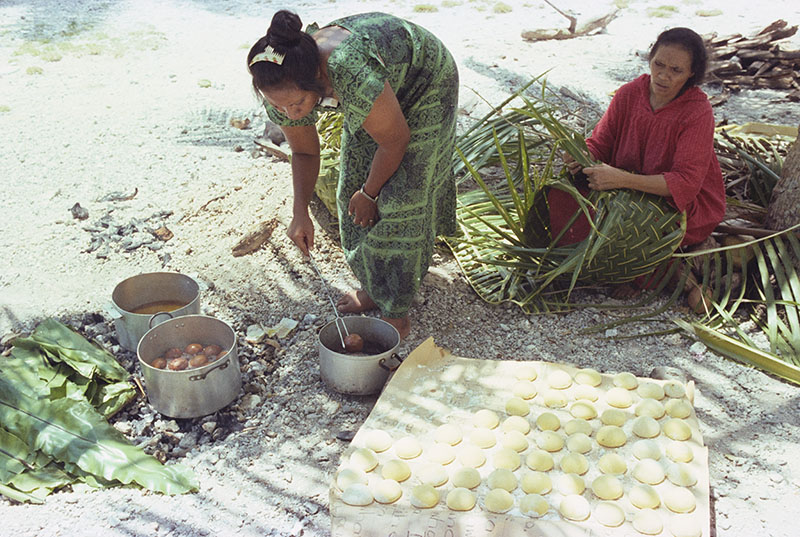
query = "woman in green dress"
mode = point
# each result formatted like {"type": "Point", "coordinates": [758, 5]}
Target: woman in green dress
{"type": "Point", "coordinates": [397, 87]}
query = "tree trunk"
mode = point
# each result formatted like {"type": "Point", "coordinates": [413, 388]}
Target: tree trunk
{"type": "Point", "coordinates": [784, 205]}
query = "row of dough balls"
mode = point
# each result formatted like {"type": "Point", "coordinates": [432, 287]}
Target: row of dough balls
{"type": "Point", "coordinates": [573, 506]}
{"type": "Point", "coordinates": [560, 379]}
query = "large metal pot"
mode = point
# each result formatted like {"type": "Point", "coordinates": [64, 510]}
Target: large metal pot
{"type": "Point", "coordinates": [137, 301]}
{"type": "Point", "coordinates": [192, 392]}
{"type": "Point", "coordinates": [360, 373]}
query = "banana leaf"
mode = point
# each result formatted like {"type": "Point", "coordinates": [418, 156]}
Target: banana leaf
{"type": "Point", "coordinates": [72, 431]}
{"type": "Point", "coordinates": [61, 343]}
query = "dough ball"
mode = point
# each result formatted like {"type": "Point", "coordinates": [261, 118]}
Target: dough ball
{"type": "Point", "coordinates": [349, 476]}
{"type": "Point", "coordinates": [607, 487]}
{"type": "Point", "coordinates": [612, 464]}
{"type": "Point", "coordinates": [648, 522]}
{"type": "Point", "coordinates": [685, 526]}
{"type": "Point", "coordinates": [619, 397]}
{"type": "Point", "coordinates": [647, 449]}
{"type": "Point", "coordinates": [533, 505]}
{"type": "Point", "coordinates": [357, 494]}
{"type": "Point", "coordinates": [378, 440]}
{"type": "Point", "coordinates": [648, 471]}
{"type": "Point", "coordinates": [579, 443]}
{"type": "Point", "coordinates": [554, 399]}
{"type": "Point", "coordinates": [483, 438]}
{"type": "Point", "coordinates": [539, 460]}
{"type": "Point", "coordinates": [609, 514]}
{"type": "Point", "coordinates": [471, 456]}
{"type": "Point", "coordinates": [516, 406]}
{"type": "Point", "coordinates": [550, 441]}
{"type": "Point", "coordinates": [570, 484]}
{"type": "Point", "coordinates": [514, 440]}
{"type": "Point", "coordinates": [613, 416]}
{"type": "Point", "coordinates": [506, 458]}
{"type": "Point", "coordinates": [387, 491]}
{"type": "Point", "coordinates": [578, 426]}
{"type": "Point", "coordinates": [646, 427]}
{"type": "Point", "coordinates": [467, 478]}
{"type": "Point", "coordinates": [559, 379]}
{"type": "Point", "coordinates": [626, 381]}
{"type": "Point", "coordinates": [516, 423]}
{"type": "Point", "coordinates": [363, 459]}
{"type": "Point", "coordinates": [678, 408]}
{"type": "Point", "coordinates": [407, 448]}
{"type": "Point", "coordinates": [651, 408]}
{"type": "Point", "coordinates": [460, 499]}
{"type": "Point", "coordinates": [574, 507]}
{"type": "Point", "coordinates": [433, 474]}
{"type": "Point", "coordinates": [679, 500]}
{"type": "Point", "coordinates": [396, 469]}
{"type": "Point", "coordinates": [440, 453]}
{"type": "Point", "coordinates": [588, 376]}
{"type": "Point", "coordinates": [611, 436]}
{"type": "Point", "coordinates": [679, 451]}
{"type": "Point", "coordinates": [650, 390]}
{"type": "Point", "coordinates": [677, 429]}
{"type": "Point", "coordinates": [526, 372]}
{"type": "Point", "coordinates": [547, 421]}
{"type": "Point", "coordinates": [524, 389]}
{"type": "Point", "coordinates": [448, 434]}
{"type": "Point", "coordinates": [583, 410]}
{"type": "Point", "coordinates": [536, 483]}
{"type": "Point", "coordinates": [583, 391]}
{"type": "Point", "coordinates": [674, 389]}
{"type": "Point", "coordinates": [424, 496]}
{"type": "Point", "coordinates": [682, 474]}
{"type": "Point", "coordinates": [498, 501]}
{"type": "Point", "coordinates": [574, 463]}
{"type": "Point", "coordinates": [485, 419]}
{"type": "Point", "coordinates": [502, 478]}
{"type": "Point", "coordinates": [644, 496]}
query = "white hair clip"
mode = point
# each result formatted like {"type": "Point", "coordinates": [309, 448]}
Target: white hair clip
{"type": "Point", "coordinates": [269, 55]}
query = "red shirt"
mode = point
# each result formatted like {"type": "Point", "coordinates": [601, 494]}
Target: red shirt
{"type": "Point", "coordinates": [676, 140]}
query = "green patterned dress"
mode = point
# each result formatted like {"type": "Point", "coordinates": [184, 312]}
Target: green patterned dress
{"type": "Point", "coordinates": [418, 202]}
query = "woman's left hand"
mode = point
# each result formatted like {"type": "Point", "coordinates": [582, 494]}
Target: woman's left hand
{"type": "Point", "coordinates": [363, 210]}
{"type": "Point", "coordinates": [605, 177]}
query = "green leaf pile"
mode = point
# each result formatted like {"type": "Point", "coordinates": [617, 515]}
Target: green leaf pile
{"type": "Point", "coordinates": [57, 390]}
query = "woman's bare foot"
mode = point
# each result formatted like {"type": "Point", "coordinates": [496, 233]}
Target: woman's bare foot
{"type": "Point", "coordinates": [355, 302]}
{"type": "Point", "coordinates": [402, 324]}
{"type": "Point", "coordinates": [624, 290]}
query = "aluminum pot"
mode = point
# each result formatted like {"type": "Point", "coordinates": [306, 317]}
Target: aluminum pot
{"type": "Point", "coordinates": [178, 293]}
{"type": "Point", "coordinates": [192, 392]}
{"type": "Point", "coordinates": [360, 373]}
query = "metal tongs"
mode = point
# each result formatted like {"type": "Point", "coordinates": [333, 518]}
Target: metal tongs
{"type": "Point", "coordinates": [339, 321]}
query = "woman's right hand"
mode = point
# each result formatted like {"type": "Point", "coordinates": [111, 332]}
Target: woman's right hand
{"type": "Point", "coordinates": [301, 231]}
{"type": "Point", "coordinates": [571, 164]}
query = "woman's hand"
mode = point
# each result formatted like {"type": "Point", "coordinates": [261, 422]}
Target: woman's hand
{"type": "Point", "coordinates": [301, 231]}
{"type": "Point", "coordinates": [605, 177]}
{"type": "Point", "coordinates": [572, 165]}
{"type": "Point", "coordinates": [363, 210]}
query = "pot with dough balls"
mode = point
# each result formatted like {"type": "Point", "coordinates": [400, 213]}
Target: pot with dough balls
{"type": "Point", "coordinates": [190, 366]}
{"type": "Point", "coordinates": [358, 373]}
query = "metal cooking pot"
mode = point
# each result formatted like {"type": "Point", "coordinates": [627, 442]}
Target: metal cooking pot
{"type": "Point", "coordinates": [192, 392]}
{"type": "Point", "coordinates": [360, 373]}
{"type": "Point", "coordinates": [150, 289]}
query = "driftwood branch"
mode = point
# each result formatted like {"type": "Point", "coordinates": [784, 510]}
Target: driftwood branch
{"type": "Point", "coordinates": [589, 27]}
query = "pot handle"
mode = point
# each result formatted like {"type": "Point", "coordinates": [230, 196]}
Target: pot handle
{"type": "Point", "coordinates": [153, 318]}
{"type": "Point", "coordinates": [382, 362]}
{"type": "Point", "coordinates": [113, 311]}
{"type": "Point", "coordinates": [203, 375]}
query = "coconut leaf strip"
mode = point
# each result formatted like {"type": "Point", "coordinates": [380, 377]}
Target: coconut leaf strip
{"type": "Point", "coordinates": [736, 350]}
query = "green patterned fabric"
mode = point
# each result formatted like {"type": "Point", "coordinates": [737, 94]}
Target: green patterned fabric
{"type": "Point", "coordinates": [418, 202]}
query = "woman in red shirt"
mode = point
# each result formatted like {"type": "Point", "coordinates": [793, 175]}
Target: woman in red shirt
{"type": "Point", "coordinates": [657, 136]}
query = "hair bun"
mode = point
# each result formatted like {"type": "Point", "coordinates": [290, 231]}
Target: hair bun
{"type": "Point", "coordinates": [285, 30]}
